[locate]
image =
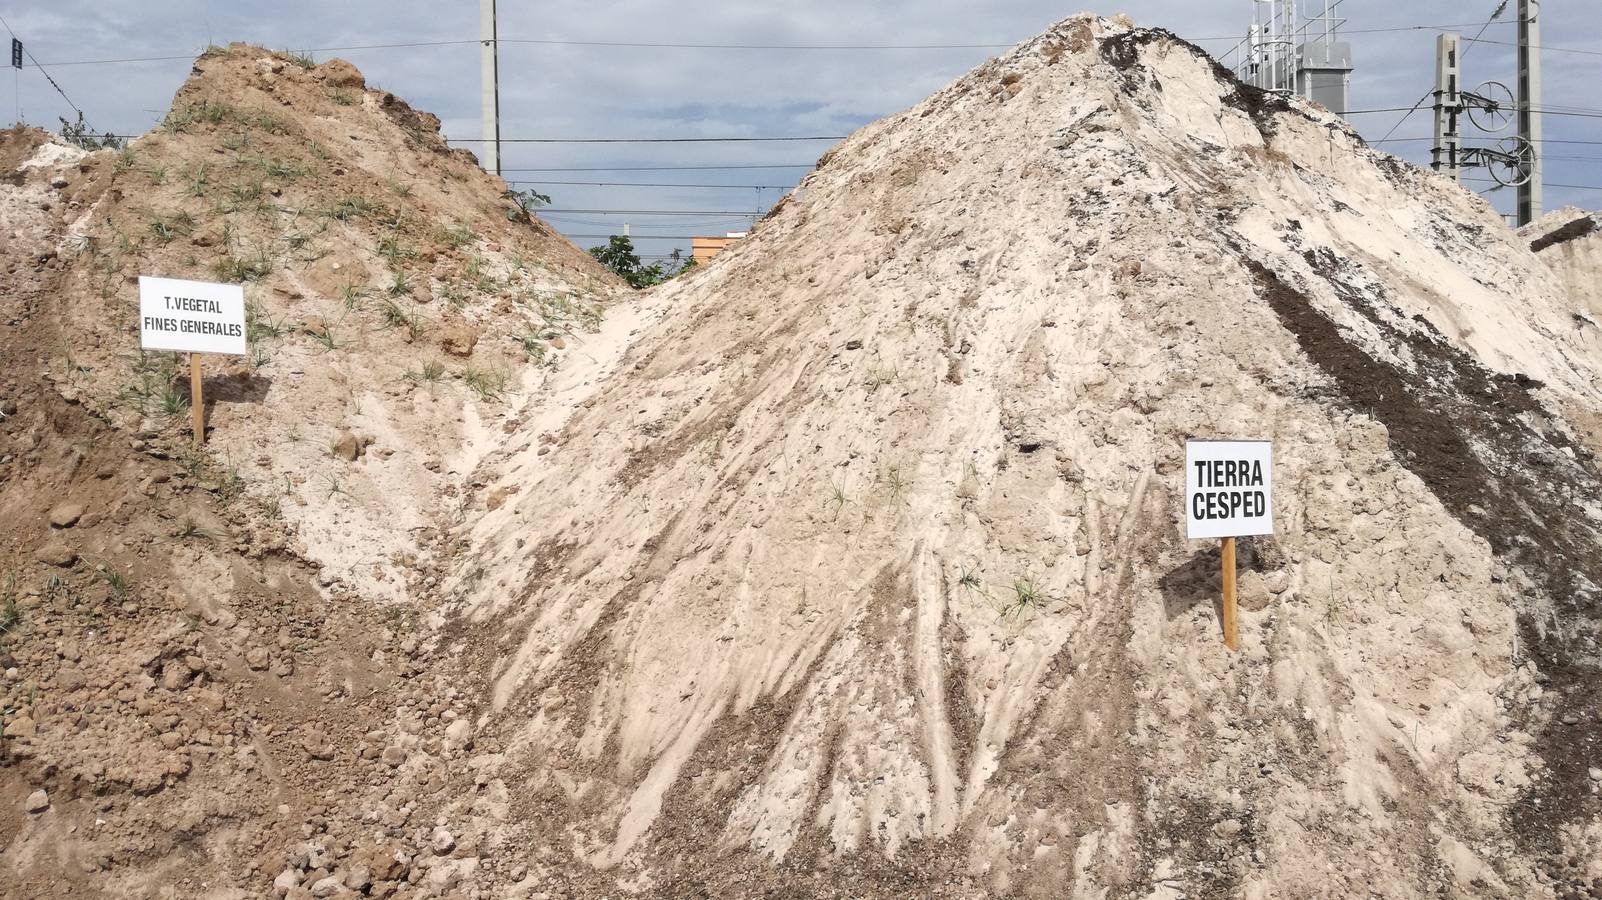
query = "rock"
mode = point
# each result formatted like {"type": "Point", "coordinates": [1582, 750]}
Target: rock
{"type": "Point", "coordinates": [211, 700]}
{"type": "Point", "coordinates": [557, 343]}
{"type": "Point", "coordinates": [318, 746]}
{"type": "Point", "coordinates": [66, 515]}
{"type": "Point", "coordinates": [257, 658]}
{"type": "Point", "coordinates": [359, 878]}
{"type": "Point", "coordinates": [56, 553]}
{"type": "Point", "coordinates": [1227, 828]}
{"type": "Point", "coordinates": [286, 879]}
{"type": "Point", "coordinates": [339, 73]}
{"type": "Point", "coordinates": [175, 676]}
{"type": "Point", "coordinates": [383, 863]}
{"type": "Point", "coordinates": [326, 887]}
{"type": "Point", "coordinates": [459, 734]}
{"type": "Point", "coordinates": [458, 340]}
{"type": "Point", "coordinates": [39, 801]}
{"type": "Point", "coordinates": [853, 345]}
{"type": "Point", "coordinates": [441, 842]}
{"type": "Point", "coordinates": [393, 756]}
{"type": "Point", "coordinates": [1596, 774]}
{"type": "Point", "coordinates": [346, 447]}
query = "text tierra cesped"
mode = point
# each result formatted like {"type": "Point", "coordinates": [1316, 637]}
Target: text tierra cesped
{"type": "Point", "coordinates": [1212, 503]}
{"type": "Point", "coordinates": [192, 326]}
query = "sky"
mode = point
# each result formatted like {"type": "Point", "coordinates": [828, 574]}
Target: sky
{"type": "Point", "coordinates": [574, 90]}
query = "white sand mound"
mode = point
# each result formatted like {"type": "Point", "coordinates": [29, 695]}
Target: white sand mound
{"type": "Point", "coordinates": [870, 561]}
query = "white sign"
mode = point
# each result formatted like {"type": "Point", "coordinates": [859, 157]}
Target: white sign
{"type": "Point", "coordinates": [191, 316]}
{"type": "Point", "coordinates": [1229, 488]}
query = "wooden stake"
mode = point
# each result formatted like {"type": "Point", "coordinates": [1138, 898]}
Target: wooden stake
{"type": "Point", "coordinates": [197, 403]}
{"type": "Point", "coordinates": [1231, 637]}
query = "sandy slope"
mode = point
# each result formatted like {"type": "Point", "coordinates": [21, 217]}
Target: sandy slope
{"type": "Point", "coordinates": [869, 564]}
{"type": "Point", "coordinates": [1569, 240]}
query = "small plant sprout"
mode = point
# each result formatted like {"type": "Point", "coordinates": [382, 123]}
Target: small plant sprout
{"type": "Point", "coordinates": [189, 528]}
{"type": "Point", "coordinates": [879, 376]}
{"type": "Point", "coordinates": [430, 373]}
{"type": "Point", "coordinates": [1026, 597]}
{"type": "Point", "coordinates": [10, 613]}
{"type": "Point", "coordinates": [114, 580]}
{"type": "Point", "coordinates": [488, 384]}
{"type": "Point", "coordinates": [837, 497]}
{"type": "Point", "coordinates": [174, 402]}
{"type": "Point", "coordinates": [967, 578]}
{"type": "Point", "coordinates": [896, 485]}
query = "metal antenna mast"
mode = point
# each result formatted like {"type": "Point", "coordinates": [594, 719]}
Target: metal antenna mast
{"type": "Point", "coordinates": [1529, 202]}
{"type": "Point", "coordinates": [490, 78]}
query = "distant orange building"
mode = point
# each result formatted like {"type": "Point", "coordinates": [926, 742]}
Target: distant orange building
{"type": "Point", "coordinates": [702, 249]}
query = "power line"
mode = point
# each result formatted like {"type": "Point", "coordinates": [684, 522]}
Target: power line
{"type": "Point", "coordinates": [1551, 47]}
{"type": "Point", "coordinates": [650, 212]}
{"type": "Point", "coordinates": [666, 45]}
{"type": "Point", "coordinates": [658, 184]}
{"type": "Point", "coordinates": [1582, 187]}
{"type": "Point", "coordinates": [662, 168]}
{"type": "Point", "coordinates": [1541, 141]}
{"type": "Point", "coordinates": [41, 68]}
{"type": "Point", "coordinates": [654, 237]}
{"type": "Point", "coordinates": [1496, 14]}
{"type": "Point", "coordinates": [671, 140]}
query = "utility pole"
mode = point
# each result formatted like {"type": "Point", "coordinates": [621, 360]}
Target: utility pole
{"type": "Point", "coordinates": [1445, 155]}
{"type": "Point", "coordinates": [490, 81]}
{"type": "Point", "coordinates": [1529, 203]}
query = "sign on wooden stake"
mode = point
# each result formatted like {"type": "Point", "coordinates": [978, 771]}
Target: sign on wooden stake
{"type": "Point", "coordinates": [192, 317]}
{"type": "Point", "coordinates": [1229, 493]}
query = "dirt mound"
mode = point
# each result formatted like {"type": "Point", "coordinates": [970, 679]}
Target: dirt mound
{"type": "Point", "coordinates": [867, 571]}
{"type": "Point", "coordinates": [1569, 240]}
{"type": "Point", "coordinates": [850, 564]}
{"type": "Point", "coordinates": [207, 684]}
{"type": "Point", "coordinates": [400, 300]}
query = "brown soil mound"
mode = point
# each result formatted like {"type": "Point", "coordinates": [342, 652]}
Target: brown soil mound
{"type": "Point", "coordinates": [208, 680]}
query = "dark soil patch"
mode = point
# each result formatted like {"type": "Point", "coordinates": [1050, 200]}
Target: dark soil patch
{"type": "Point", "coordinates": [1574, 230]}
{"type": "Point", "coordinates": [1122, 51]}
{"type": "Point", "coordinates": [1467, 433]}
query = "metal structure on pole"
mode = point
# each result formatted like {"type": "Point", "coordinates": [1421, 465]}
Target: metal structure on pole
{"type": "Point", "coordinates": [1490, 107]}
{"type": "Point", "coordinates": [1529, 202]}
{"type": "Point", "coordinates": [1288, 51]}
{"type": "Point", "coordinates": [1446, 155]}
{"type": "Point", "coordinates": [490, 78]}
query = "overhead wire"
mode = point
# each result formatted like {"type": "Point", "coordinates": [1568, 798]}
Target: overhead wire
{"type": "Point", "coordinates": [42, 71]}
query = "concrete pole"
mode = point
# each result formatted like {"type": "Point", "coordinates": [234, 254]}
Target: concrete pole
{"type": "Point", "coordinates": [490, 84]}
{"type": "Point", "coordinates": [1529, 208]}
{"type": "Point", "coordinates": [1445, 155]}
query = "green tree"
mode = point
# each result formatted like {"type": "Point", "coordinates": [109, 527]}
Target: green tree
{"type": "Point", "coordinates": [619, 256]}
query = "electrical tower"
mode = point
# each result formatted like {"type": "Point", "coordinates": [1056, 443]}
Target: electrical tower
{"type": "Point", "coordinates": [1290, 52]}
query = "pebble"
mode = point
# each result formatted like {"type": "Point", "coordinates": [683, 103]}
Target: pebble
{"type": "Point", "coordinates": [257, 658]}
{"type": "Point", "coordinates": [38, 801]}
{"type": "Point", "coordinates": [66, 515]}
{"type": "Point", "coordinates": [56, 553]}
{"type": "Point", "coordinates": [442, 840]}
